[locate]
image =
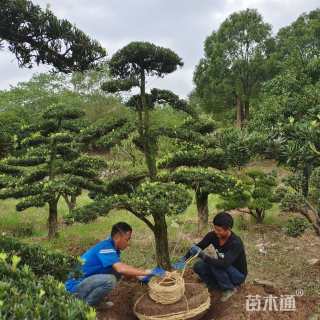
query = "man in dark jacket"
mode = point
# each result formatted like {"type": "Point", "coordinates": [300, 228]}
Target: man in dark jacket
{"type": "Point", "coordinates": [229, 269]}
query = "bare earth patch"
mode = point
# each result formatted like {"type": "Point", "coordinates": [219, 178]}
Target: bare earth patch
{"type": "Point", "coordinates": [126, 294]}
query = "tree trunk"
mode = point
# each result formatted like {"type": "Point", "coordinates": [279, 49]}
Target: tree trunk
{"type": "Point", "coordinates": [239, 112]}
{"type": "Point", "coordinates": [259, 216]}
{"type": "Point", "coordinates": [203, 211]}
{"type": "Point", "coordinates": [306, 179]}
{"type": "Point", "coordinates": [149, 144]}
{"type": "Point", "coordinates": [161, 239]}
{"type": "Point", "coordinates": [53, 219]}
{"type": "Point", "coordinates": [246, 110]}
{"type": "Point", "coordinates": [316, 227]}
{"type": "Point", "coordinates": [315, 221]}
{"type": "Point", "coordinates": [70, 203]}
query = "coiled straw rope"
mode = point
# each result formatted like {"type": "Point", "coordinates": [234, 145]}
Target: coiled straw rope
{"type": "Point", "coordinates": [169, 290]}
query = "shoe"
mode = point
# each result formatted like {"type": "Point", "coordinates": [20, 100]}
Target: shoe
{"type": "Point", "coordinates": [227, 294]}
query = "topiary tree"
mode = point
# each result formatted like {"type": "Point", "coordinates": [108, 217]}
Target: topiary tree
{"type": "Point", "coordinates": [260, 190]}
{"type": "Point", "coordinates": [203, 181]}
{"type": "Point", "coordinates": [37, 36]}
{"type": "Point", "coordinates": [130, 66]}
{"type": "Point", "coordinates": [48, 164]}
{"type": "Point", "coordinates": [202, 155]}
{"type": "Point", "coordinates": [139, 192]}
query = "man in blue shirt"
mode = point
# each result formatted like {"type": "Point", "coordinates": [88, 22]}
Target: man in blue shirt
{"type": "Point", "coordinates": [102, 267]}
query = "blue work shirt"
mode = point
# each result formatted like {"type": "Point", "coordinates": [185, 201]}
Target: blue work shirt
{"type": "Point", "coordinates": [98, 259]}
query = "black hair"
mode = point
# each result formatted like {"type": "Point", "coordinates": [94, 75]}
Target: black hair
{"type": "Point", "coordinates": [223, 219]}
{"type": "Point", "coordinates": [121, 227]}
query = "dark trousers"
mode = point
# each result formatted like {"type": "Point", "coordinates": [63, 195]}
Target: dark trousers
{"type": "Point", "coordinates": [218, 278]}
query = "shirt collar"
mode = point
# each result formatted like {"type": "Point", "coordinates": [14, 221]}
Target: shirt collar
{"type": "Point", "coordinates": [112, 243]}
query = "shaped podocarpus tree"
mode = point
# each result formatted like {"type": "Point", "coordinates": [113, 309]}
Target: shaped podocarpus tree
{"type": "Point", "coordinates": [48, 164]}
{"type": "Point", "coordinates": [141, 193]}
{"type": "Point", "coordinates": [202, 155]}
{"type": "Point", "coordinates": [37, 36]}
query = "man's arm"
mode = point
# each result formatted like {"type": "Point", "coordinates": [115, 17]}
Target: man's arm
{"type": "Point", "coordinates": [229, 257]}
{"type": "Point", "coordinates": [204, 243]}
{"type": "Point", "coordinates": [130, 271]}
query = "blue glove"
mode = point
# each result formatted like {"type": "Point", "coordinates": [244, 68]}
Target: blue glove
{"type": "Point", "coordinates": [158, 272]}
{"type": "Point", "coordinates": [194, 250]}
{"type": "Point", "coordinates": [180, 265]}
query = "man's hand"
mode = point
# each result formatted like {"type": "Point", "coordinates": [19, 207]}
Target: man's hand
{"type": "Point", "coordinates": [195, 250]}
{"type": "Point", "coordinates": [158, 272]}
{"type": "Point", "coordinates": [180, 265]}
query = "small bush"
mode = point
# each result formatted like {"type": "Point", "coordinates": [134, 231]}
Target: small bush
{"type": "Point", "coordinates": [23, 229]}
{"type": "Point", "coordinates": [296, 227]}
{"type": "Point", "coordinates": [41, 261]}
{"type": "Point", "coordinates": [23, 296]}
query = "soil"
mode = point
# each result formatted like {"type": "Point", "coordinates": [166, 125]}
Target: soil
{"type": "Point", "coordinates": [196, 294]}
{"type": "Point", "coordinates": [127, 293]}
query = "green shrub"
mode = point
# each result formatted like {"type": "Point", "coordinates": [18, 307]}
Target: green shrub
{"type": "Point", "coordinates": [23, 296]}
{"type": "Point", "coordinates": [21, 229]}
{"type": "Point", "coordinates": [41, 261]}
{"type": "Point", "coordinates": [295, 227]}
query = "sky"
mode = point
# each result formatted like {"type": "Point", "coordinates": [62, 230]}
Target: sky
{"type": "Point", "coordinates": [181, 25]}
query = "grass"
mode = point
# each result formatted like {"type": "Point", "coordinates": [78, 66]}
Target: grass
{"type": "Point", "coordinates": [75, 239]}
{"type": "Point", "coordinates": [284, 263]}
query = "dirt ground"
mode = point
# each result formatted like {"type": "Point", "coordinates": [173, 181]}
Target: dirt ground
{"type": "Point", "coordinates": [306, 307]}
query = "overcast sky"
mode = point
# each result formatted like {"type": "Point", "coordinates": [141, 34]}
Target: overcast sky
{"type": "Point", "coordinates": [181, 25]}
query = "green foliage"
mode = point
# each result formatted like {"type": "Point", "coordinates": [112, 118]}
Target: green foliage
{"type": "Point", "coordinates": [148, 198]}
{"type": "Point", "coordinates": [237, 60]}
{"type": "Point", "coordinates": [48, 160]}
{"type": "Point", "coordinates": [298, 45]}
{"type": "Point", "coordinates": [288, 118]}
{"type": "Point", "coordinates": [24, 296]}
{"type": "Point", "coordinates": [41, 261]}
{"type": "Point", "coordinates": [37, 36]}
{"type": "Point", "coordinates": [194, 155]}
{"type": "Point", "coordinates": [114, 86]}
{"type": "Point", "coordinates": [129, 61]}
{"type": "Point", "coordinates": [296, 227]}
{"type": "Point", "coordinates": [259, 191]}
{"type": "Point", "coordinates": [203, 180]}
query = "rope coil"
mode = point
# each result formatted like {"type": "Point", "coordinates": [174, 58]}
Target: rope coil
{"type": "Point", "coordinates": [170, 290]}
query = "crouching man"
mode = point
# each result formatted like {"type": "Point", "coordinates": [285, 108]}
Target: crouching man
{"type": "Point", "coordinates": [229, 269]}
{"type": "Point", "coordinates": [102, 267]}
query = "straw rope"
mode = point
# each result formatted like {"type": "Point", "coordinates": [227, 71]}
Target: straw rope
{"type": "Point", "coordinates": [169, 290]}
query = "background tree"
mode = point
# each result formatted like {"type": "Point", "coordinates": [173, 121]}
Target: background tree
{"type": "Point", "coordinates": [287, 117]}
{"type": "Point", "coordinates": [48, 164]}
{"type": "Point", "coordinates": [199, 160]}
{"type": "Point", "coordinates": [259, 187]}
{"type": "Point", "coordinates": [298, 46]}
{"type": "Point", "coordinates": [37, 36]}
{"type": "Point", "coordinates": [237, 60]}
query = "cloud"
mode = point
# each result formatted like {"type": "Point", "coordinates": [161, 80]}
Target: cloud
{"type": "Point", "coordinates": [181, 25]}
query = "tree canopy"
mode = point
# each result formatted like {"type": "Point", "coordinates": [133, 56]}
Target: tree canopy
{"type": "Point", "coordinates": [37, 36]}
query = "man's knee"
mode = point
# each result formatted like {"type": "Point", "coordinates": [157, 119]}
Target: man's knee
{"type": "Point", "coordinates": [200, 267]}
{"type": "Point", "coordinates": [111, 281]}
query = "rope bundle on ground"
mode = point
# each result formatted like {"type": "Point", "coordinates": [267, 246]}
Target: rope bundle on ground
{"type": "Point", "coordinates": [170, 290]}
